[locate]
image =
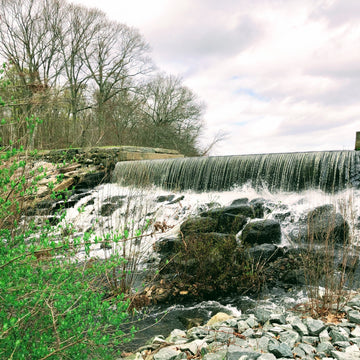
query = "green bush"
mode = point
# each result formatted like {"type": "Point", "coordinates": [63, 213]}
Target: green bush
{"type": "Point", "coordinates": [51, 306]}
{"type": "Point", "coordinates": [216, 263]}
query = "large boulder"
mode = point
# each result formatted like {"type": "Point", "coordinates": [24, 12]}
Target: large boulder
{"type": "Point", "coordinates": [167, 246]}
{"type": "Point", "coordinates": [261, 232]}
{"type": "Point", "coordinates": [242, 209]}
{"type": "Point", "coordinates": [324, 224]}
{"type": "Point", "coordinates": [198, 225]}
{"type": "Point", "coordinates": [230, 224]}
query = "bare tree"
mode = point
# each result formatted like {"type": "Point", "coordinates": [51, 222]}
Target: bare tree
{"type": "Point", "coordinates": [28, 41]}
{"type": "Point", "coordinates": [75, 35]}
{"type": "Point", "coordinates": [118, 56]}
{"type": "Point", "coordinates": [172, 112]}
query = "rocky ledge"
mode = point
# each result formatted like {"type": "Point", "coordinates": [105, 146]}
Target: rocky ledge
{"type": "Point", "coordinates": [269, 332]}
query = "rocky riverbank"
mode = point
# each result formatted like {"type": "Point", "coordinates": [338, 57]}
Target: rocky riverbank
{"type": "Point", "coordinates": [269, 332]}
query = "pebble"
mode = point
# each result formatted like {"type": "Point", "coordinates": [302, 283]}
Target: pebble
{"type": "Point", "coordinates": [267, 334]}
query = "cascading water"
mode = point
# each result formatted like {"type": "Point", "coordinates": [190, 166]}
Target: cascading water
{"type": "Point", "coordinates": [329, 171]}
{"type": "Point", "coordinates": [290, 185]}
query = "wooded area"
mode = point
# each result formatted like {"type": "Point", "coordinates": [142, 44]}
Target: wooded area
{"type": "Point", "coordinates": [74, 78]}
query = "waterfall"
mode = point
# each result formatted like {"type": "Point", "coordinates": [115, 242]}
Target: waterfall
{"type": "Point", "coordinates": [329, 171]}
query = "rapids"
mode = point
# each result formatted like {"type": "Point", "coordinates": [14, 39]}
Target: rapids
{"type": "Point", "coordinates": [167, 192]}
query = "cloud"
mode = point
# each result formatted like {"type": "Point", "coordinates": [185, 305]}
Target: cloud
{"type": "Point", "coordinates": [279, 75]}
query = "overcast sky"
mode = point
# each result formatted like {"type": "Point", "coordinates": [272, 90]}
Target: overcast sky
{"type": "Point", "coordinates": [276, 75]}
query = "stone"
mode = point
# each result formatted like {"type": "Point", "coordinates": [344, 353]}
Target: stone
{"type": "Point", "coordinates": [248, 333]}
{"type": "Point", "coordinates": [267, 357]}
{"type": "Point", "coordinates": [230, 223]}
{"type": "Point", "coordinates": [323, 222]}
{"type": "Point", "coordinates": [108, 209]}
{"type": "Point", "coordinates": [280, 350]}
{"type": "Point", "coordinates": [219, 355]}
{"type": "Point", "coordinates": [289, 337]}
{"type": "Point", "coordinates": [236, 352]}
{"type": "Point", "coordinates": [261, 232]}
{"type": "Point", "coordinates": [198, 225]}
{"type": "Point", "coordinates": [265, 252]}
{"type": "Point", "coordinates": [298, 352]}
{"type": "Point", "coordinates": [324, 336]}
{"type": "Point", "coordinates": [251, 321]}
{"type": "Point", "coordinates": [166, 246]}
{"type": "Point", "coordinates": [163, 198]}
{"type": "Point", "coordinates": [356, 331]}
{"type": "Point", "coordinates": [166, 354]}
{"type": "Point", "coordinates": [242, 209]}
{"type": "Point", "coordinates": [311, 340]}
{"type": "Point", "coordinates": [355, 301]}
{"type": "Point", "coordinates": [325, 347]}
{"type": "Point", "coordinates": [314, 326]}
{"type": "Point", "coordinates": [263, 343]}
{"type": "Point", "coordinates": [308, 349]}
{"type": "Point", "coordinates": [199, 332]}
{"type": "Point", "coordinates": [176, 335]}
{"type": "Point", "coordinates": [263, 314]}
{"type": "Point", "coordinates": [242, 201]}
{"type": "Point", "coordinates": [298, 325]}
{"type": "Point", "coordinates": [354, 316]}
{"type": "Point", "coordinates": [219, 317]}
{"type": "Point", "coordinates": [339, 335]}
{"type": "Point", "coordinates": [242, 326]}
{"type": "Point", "coordinates": [224, 334]}
{"type": "Point", "coordinates": [339, 355]}
{"type": "Point", "coordinates": [258, 207]}
{"type": "Point", "coordinates": [277, 318]}
{"type": "Point", "coordinates": [194, 347]}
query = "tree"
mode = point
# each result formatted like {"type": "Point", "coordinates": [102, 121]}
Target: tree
{"type": "Point", "coordinates": [75, 36]}
{"type": "Point", "coordinates": [172, 114]}
{"type": "Point", "coordinates": [118, 56]}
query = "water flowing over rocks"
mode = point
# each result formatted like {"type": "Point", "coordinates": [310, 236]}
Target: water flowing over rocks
{"type": "Point", "coordinates": [268, 333]}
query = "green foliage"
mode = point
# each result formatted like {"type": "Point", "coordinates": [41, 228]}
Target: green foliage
{"type": "Point", "coordinates": [51, 305]}
{"type": "Point", "coordinates": [216, 263]}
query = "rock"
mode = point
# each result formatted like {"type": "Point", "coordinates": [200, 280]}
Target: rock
{"type": "Point", "coordinates": [266, 357]}
{"type": "Point", "coordinates": [280, 349]}
{"type": "Point", "coordinates": [219, 317]}
{"type": "Point", "coordinates": [242, 325]}
{"type": "Point", "coordinates": [237, 352]}
{"type": "Point", "coordinates": [167, 246]}
{"type": "Point", "coordinates": [324, 223]}
{"type": "Point", "coordinates": [108, 209]}
{"type": "Point", "coordinates": [339, 335]}
{"type": "Point", "coordinates": [230, 223]}
{"type": "Point", "coordinates": [263, 314]}
{"type": "Point", "coordinates": [220, 355]}
{"type": "Point", "coordinates": [194, 346]}
{"type": "Point", "coordinates": [265, 252]}
{"type": "Point", "coordinates": [241, 201]}
{"type": "Point", "coordinates": [177, 336]}
{"type": "Point", "coordinates": [245, 210]}
{"type": "Point", "coordinates": [314, 326]}
{"type": "Point", "coordinates": [163, 198]}
{"type": "Point", "coordinates": [325, 347]}
{"type": "Point", "coordinates": [261, 232]}
{"type": "Point", "coordinates": [298, 325]}
{"type": "Point", "coordinates": [355, 301]}
{"type": "Point", "coordinates": [177, 200]}
{"type": "Point", "coordinates": [258, 207]}
{"type": "Point", "coordinates": [289, 337]}
{"type": "Point", "coordinates": [354, 316]}
{"type": "Point", "coordinates": [198, 225]}
{"type": "Point", "coordinates": [338, 355]}
{"type": "Point", "coordinates": [166, 354]}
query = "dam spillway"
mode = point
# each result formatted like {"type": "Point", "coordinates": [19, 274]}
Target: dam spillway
{"type": "Point", "coordinates": [329, 171]}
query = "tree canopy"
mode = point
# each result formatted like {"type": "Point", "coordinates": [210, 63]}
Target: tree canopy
{"type": "Point", "coordinates": [90, 81]}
